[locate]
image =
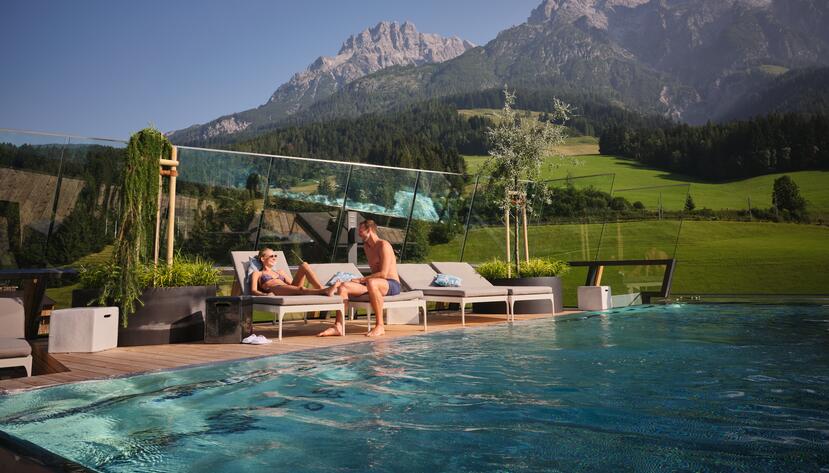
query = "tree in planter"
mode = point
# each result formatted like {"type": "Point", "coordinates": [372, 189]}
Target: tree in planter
{"type": "Point", "coordinates": [518, 147]}
{"type": "Point", "coordinates": [139, 185]}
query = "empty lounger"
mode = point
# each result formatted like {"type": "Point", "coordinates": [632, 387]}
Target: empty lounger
{"type": "Point", "coordinates": [467, 273]}
{"type": "Point", "coordinates": [420, 276]}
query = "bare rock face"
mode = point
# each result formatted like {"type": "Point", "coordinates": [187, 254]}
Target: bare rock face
{"type": "Point", "coordinates": [386, 44]}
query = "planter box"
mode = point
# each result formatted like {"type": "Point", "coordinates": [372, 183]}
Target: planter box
{"type": "Point", "coordinates": [524, 307]}
{"type": "Point", "coordinates": [169, 315]}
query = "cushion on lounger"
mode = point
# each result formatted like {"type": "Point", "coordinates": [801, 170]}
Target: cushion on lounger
{"type": "Point", "coordinates": [471, 278]}
{"type": "Point", "coordinates": [342, 276]}
{"type": "Point", "coordinates": [403, 296]}
{"type": "Point", "coordinates": [296, 300]}
{"type": "Point", "coordinates": [464, 291]}
{"type": "Point", "coordinates": [14, 348]}
{"type": "Point", "coordinates": [446, 280]}
{"type": "Point", "coordinates": [527, 290]}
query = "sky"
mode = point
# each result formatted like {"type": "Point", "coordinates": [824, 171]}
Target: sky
{"type": "Point", "coordinates": [107, 68]}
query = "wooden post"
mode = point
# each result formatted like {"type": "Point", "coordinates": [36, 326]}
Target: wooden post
{"type": "Point", "coordinates": [599, 273]}
{"type": "Point", "coordinates": [526, 238]}
{"type": "Point", "coordinates": [157, 222]}
{"type": "Point", "coordinates": [171, 216]}
{"type": "Point", "coordinates": [506, 226]}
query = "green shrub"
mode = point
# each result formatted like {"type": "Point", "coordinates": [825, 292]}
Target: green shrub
{"type": "Point", "coordinates": [535, 267]}
{"type": "Point", "coordinates": [494, 269]}
{"type": "Point", "coordinates": [183, 272]}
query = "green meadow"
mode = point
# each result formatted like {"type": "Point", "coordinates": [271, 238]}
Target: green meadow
{"type": "Point", "coordinates": [712, 257]}
{"type": "Point", "coordinates": [637, 182]}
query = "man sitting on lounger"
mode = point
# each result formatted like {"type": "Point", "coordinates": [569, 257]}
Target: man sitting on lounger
{"type": "Point", "coordinates": [383, 280]}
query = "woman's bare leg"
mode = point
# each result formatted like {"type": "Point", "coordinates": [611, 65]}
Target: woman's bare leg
{"type": "Point", "coordinates": [304, 272]}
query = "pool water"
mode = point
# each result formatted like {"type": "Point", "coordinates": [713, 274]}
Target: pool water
{"type": "Point", "coordinates": [682, 387]}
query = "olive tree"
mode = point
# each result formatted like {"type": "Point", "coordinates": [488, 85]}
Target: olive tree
{"type": "Point", "coordinates": [518, 151]}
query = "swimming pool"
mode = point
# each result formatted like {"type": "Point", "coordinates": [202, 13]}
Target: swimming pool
{"type": "Point", "coordinates": [684, 387]}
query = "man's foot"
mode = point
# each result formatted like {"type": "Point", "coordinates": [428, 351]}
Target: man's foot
{"type": "Point", "coordinates": [377, 331]}
{"type": "Point", "coordinates": [333, 289]}
{"type": "Point", "coordinates": [336, 330]}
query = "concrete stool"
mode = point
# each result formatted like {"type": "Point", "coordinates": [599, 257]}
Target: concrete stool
{"type": "Point", "coordinates": [83, 330]}
{"type": "Point", "coordinates": [594, 298]}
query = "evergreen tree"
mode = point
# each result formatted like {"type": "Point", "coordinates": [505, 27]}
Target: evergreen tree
{"type": "Point", "coordinates": [689, 203]}
{"type": "Point", "coordinates": [786, 198]}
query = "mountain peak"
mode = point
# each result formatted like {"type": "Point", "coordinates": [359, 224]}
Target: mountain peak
{"type": "Point", "coordinates": [595, 11]}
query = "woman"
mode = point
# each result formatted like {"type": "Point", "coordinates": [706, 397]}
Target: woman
{"type": "Point", "coordinates": [278, 282]}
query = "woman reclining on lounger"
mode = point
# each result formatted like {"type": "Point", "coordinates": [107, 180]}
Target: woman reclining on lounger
{"type": "Point", "coordinates": [277, 282]}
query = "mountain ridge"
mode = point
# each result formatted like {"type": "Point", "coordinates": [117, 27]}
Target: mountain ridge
{"type": "Point", "coordinates": [384, 45]}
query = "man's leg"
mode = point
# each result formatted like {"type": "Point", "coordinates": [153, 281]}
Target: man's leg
{"type": "Point", "coordinates": [346, 290]}
{"type": "Point", "coordinates": [377, 288]}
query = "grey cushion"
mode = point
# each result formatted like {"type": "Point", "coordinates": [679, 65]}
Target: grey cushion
{"type": "Point", "coordinates": [14, 348]}
{"type": "Point", "coordinates": [463, 291]}
{"type": "Point", "coordinates": [465, 271]}
{"type": "Point", "coordinates": [326, 270]}
{"type": "Point", "coordinates": [11, 317]}
{"type": "Point", "coordinates": [527, 290]}
{"type": "Point", "coordinates": [403, 296]}
{"type": "Point", "coordinates": [296, 300]}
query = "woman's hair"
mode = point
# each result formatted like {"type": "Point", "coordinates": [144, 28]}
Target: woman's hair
{"type": "Point", "coordinates": [262, 252]}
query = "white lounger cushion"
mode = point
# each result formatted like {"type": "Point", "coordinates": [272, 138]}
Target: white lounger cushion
{"type": "Point", "coordinates": [296, 300]}
{"type": "Point", "coordinates": [403, 296]}
{"type": "Point", "coordinates": [14, 348]}
{"type": "Point", "coordinates": [527, 290]}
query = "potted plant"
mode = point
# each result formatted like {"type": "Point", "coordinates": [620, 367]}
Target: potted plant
{"type": "Point", "coordinates": [534, 272]}
{"type": "Point", "coordinates": [518, 150]}
{"type": "Point", "coordinates": [150, 310]}
{"type": "Point", "coordinates": [171, 305]}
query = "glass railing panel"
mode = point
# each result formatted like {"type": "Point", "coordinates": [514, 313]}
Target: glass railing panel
{"type": "Point", "coordinates": [86, 215]}
{"type": "Point", "coordinates": [304, 201]}
{"type": "Point", "coordinates": [485, 233]}
{"type": "Point", "coordinates": [567, 216]}
{"type": "Point", "coordinates": [647, 226]}
{"type": "Point", "coordinates": [384, 195]}
{"type": "Point", "coordinates": [438, 218]}
{"type": "Point", "coordinates": [219, 199]}
{"type": "Point", "coordinates": [29, 168]}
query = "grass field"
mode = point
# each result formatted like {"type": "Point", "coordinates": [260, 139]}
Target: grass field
{"type": "Point", "coordinates": [713, 257]}
{"type": "Point", "coordinates": [814, 185]}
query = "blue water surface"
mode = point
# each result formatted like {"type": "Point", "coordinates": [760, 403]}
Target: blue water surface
{"type": "Point", "coordinates": [664, 388]}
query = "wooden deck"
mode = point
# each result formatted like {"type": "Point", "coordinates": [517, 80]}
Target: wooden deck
{"type": "Point", "coordinates": [297, 336]}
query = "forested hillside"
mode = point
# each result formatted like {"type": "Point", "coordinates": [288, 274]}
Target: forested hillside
{"type": "Point", "coordinates": [774, 143]}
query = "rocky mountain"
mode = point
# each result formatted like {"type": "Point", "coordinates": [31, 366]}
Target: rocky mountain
{"type": "Point", "coordinates": [691, 60]}
{"type": "Point", "coordinates": [386, 44]}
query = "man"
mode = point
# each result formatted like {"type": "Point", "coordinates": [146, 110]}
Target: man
{"type": "Point", "coordinates": [383, 280]}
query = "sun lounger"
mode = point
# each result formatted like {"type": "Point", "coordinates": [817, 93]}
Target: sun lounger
{"type": "Point", "coordinates": [14, 350]}
{"type": "Point", "coordinates": [472, 279]}
{"type": "Point", "coordinates": [420, 276]}
{"type": "Point", "coordinates": [405, 299]}
{"type": "Point", "coordinates": [281, 305]}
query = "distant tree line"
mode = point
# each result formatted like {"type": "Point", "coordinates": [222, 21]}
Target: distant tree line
{"type": "Point", "coordinates": [769, 144]}
{"type": "Point", "coordinates": [430, 135]}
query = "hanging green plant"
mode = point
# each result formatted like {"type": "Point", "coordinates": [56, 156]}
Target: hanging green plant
{"type": "Point", "coordinates": [139, 204]}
